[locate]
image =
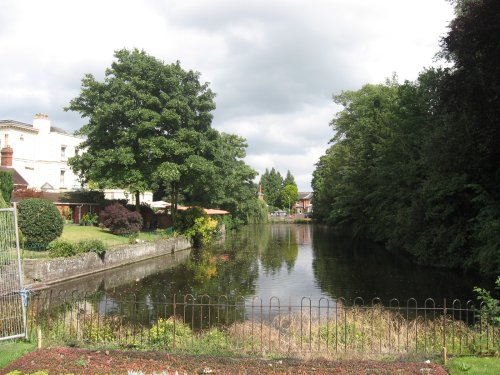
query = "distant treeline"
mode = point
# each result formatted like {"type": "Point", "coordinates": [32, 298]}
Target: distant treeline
{"type": "Point", "coordinates": [416, 165]}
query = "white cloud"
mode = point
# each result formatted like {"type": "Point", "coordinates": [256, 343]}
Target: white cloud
{"type": "Point", "coordinates": [273, 64]}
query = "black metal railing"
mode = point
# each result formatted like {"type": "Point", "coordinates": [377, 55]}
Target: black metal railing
{"type": "Point", "coordinates": [328, 327]}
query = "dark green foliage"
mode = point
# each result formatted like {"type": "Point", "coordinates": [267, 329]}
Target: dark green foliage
{"type": "Point", "coordinates": [61, 248]}
{"type": "Point", "coordinates": [119, 220]}
{"type": "Point", "coordinates": [64, 249]}
{"type": "Point", "coordinates": [255, 212]}
{"type": "Point", "coordinates": [87, 246]}
{"type": "Point", "coordinates": [185, 219]}
{"type": "Point", "coordinates": [6, 185]}
{"type": "Point", "coordinates": [147, 214]}
{"type": "Point", "coordinates": [149, 128]}
{"type": "Point", "coordinates": [3, 204]}
{"type": "Point", "coordinates": [40, 222]}
{"type": "Point", "coordinates": [272, 183]}
{"type": "Point", "coordinates": [89, 219]}
{"type": "Point", "coordinates": [278, 193]}
{"type": "Point", "coordinates": [491, 305]}
{"type": "Point", "coordinates": [415, 165]}
{"type": "Point", "coordinates": [227, 221]}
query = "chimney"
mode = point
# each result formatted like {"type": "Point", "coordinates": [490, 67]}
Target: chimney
{"type": "Point", "coordinates": [42, 123]}
{"type": "Point", "coordinates": [7, 152]}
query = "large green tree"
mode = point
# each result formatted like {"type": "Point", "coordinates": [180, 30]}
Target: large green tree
{"type": "Point", "coordinates": [415, 165]}
{"type": "Point", "coordinates": [149, 128]}
{"type": "Point", "coordinates": [272, 183]}
{"type": "Point", "coordinates": [142, 122]}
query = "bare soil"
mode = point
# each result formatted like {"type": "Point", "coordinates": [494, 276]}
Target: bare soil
{"type": "Point", "coordinates": [84, 361]}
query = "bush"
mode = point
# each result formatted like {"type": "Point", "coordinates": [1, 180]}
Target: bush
{"type": "Point", "coordinates": [3, 204]}
{"type": "Point", "coordinates": [162, 333]}
{"type": "Point", "coordinates": [185, 219]}
{"type": "Point", "coordinates": [61, 248]}
{"type": "Point", "coordinates": [203, 231]}
{"type": "Point", "coordinates": [89, 220]}
{"type": "Point", "coordinates": [6, 185]}
{"type": "Point", "coordinates": [148, 216]}
{"type": "Point", "coordinates": [40, 222]}
{"type": "Point", "coordinates": [120, 221]}
{"type": "Point", "coordinates": [95, 246]}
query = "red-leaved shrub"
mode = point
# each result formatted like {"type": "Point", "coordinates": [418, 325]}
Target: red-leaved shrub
{"type": "Point", "coordinates": [120, 221]}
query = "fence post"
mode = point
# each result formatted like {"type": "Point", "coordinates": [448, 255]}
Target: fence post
{"type": "Point", "coordinates": [175, 318]}
{"type": "Point", "coordinates": [444, 325]}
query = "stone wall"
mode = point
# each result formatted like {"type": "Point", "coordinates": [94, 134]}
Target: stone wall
{"type": "Point", "coordinates": [47, 271]}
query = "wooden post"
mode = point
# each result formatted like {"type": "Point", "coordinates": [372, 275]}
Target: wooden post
{"type": "Point", "coordinates": [39, 335]}
{"type": "Point", "coordinates": [445, 356]}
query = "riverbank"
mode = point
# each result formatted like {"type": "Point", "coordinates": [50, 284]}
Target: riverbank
{"type": "Point", "coordinates": [40, 273]}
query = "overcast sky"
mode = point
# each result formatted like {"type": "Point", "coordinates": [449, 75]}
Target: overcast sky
{"type": "Point", "coordinates": [274, 64]}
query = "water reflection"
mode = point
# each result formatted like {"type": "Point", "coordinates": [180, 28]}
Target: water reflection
{"type": "Point", "coordinates": [282, 262]}
{"type": "Point", "coordinates": [350, 268]}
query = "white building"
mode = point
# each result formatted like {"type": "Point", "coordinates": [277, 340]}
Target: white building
{"type": "Point", "coordinates": [40, 153]}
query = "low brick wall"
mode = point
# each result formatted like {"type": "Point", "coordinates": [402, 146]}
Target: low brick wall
{"type": "Point", "coordinates": [46, 271]}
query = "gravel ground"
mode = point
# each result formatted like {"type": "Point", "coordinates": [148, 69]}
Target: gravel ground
{"type": "Point", "coordinates": [82, 361]}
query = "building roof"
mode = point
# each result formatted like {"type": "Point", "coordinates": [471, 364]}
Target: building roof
{"type": "Point", "coordinates": [18, 180]}
{"type": "Point", "coordinates": [29, 127]}
{"type": "Point", "coordinates": [305, 195]}
{"type": "Point", "coordinates": [17, 124]}
{"type": "Point", "coordinates": [208, 211]}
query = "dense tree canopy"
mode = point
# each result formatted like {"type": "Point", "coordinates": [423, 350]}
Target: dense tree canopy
{"type": "Point", "coordinates": [149, 128]}
{"type": "Point", "coordinates": [278, 192]}
{"type": "Point", "coordinates": [415, 165]}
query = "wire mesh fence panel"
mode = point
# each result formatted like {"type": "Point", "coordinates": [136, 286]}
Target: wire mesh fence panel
{"type": "Point", "coordinates": [12, 295]}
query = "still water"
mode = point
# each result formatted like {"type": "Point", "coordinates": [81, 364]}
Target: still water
{"type": "Point", "coordinates": [287, 261]}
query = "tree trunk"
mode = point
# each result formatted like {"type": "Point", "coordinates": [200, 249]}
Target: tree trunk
{"type": "Point", "coordinates": [138, 201]}
{"type": "Point", "coordinates": [173, 202]}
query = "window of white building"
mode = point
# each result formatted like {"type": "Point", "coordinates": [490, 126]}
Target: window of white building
{"type": "Point", "coordinates": [63, 152]}
{"type": "Point", "coordinates": [61, 178]}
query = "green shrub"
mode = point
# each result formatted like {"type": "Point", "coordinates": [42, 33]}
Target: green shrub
{"type": "Point", "coordinates": [6, 185]}
{"type": "Point", "coordinates": [89, 220]}
{"type": "Point", "coordinates": [95, 246]}
{"type": "Point", "coordinates": [162, 333]}
{"type": "Point", "coordinates": [203, 231]}
{"type": "Point", "coordinates": [3, 204]}
{"type": "Point", "coordinates": [490, 305]}
{"type": "Point", "coordinates": [185, 219]}
{"type": "Point", "coordinates": [40, 222]}
{"type": "Point", "coordinates": [121, 221]}
{"type": "Point", "coordinates": [61, 248]}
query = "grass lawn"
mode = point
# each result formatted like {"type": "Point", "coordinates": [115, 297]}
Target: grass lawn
{"type": "Point", "coordinates": [75, 233]}
{"type": "Point", "coordinates": [474, 365]}
{"type": "Point", "coordinates": [12, 350]}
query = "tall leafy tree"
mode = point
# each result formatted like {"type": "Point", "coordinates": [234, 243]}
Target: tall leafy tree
{"type": "Point", "coordinates": [289, 179]}
{"type": "Point", "coordinates": [272, 183]}
{"type": "Point", "coordinates": [288, 196]}
{"type": "Point", "coordinates": [140, 122]}
{"type": "Point", "coordinates": [415, 165]}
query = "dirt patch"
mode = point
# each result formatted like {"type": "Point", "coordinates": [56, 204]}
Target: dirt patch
{"type": "Point", "coordinates": [83, 361]}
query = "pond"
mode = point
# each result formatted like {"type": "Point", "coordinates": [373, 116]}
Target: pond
{"type": "Point", "coordinates": [285, 261]}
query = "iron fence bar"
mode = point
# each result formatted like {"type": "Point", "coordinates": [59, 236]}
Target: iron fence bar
{"type": "Point", "coordinates": [444, 322]}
